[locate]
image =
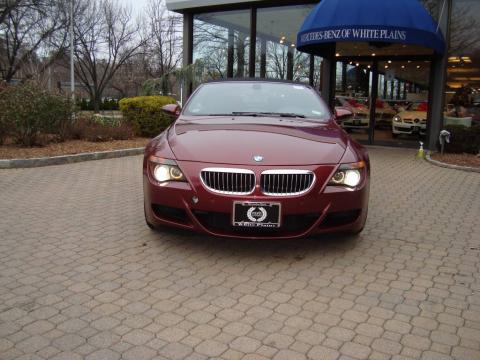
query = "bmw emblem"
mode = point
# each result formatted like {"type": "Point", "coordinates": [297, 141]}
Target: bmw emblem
{"type": "Point", "coordinates": [258, 158]}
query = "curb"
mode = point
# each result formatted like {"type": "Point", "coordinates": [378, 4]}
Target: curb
{"type": "Point", "coordinates": [450, 166]}
{"type": "Point", "coordinates": [68, 159]}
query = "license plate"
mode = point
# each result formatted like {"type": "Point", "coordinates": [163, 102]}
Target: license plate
{"type": "Point", "coordinates": [256, 214]}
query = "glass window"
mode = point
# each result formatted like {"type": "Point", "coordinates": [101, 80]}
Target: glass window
{"type": "Point", "coordinates": [463, 80]}
{"type": "Point", "coordinates": [252, 98]}
{"type": "Point", "coordinates": [221, 42]}
{"type": "Point", "coordinates": [317, 70]}
{"type": "Point", "coordinates": [276, 54]}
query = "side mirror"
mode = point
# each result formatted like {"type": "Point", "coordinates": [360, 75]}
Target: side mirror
{"type": "Point", "coordinates": [172, 110]}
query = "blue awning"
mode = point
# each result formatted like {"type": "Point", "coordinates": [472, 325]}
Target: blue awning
{"type": "Point", "coordinates": [373, 21]}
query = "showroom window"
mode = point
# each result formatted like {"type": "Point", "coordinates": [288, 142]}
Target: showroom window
{"type": "Point", "coordinates": [221, 43]}
{"type": "Point", "coordinates": [276, 54]}
{"type": "Point", "coordinates": [463, 74]}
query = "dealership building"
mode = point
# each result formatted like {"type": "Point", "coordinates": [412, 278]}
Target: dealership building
{"type": "Point", "coordinates": [403, 68]}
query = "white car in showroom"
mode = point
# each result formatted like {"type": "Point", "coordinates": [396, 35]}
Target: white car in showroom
{"type": "Point", "coordinates": [411, 121]}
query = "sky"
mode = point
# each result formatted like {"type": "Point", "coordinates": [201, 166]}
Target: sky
{"type": "Point", "coordinates": [136, 5]}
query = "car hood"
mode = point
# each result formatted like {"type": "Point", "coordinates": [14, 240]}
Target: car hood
{"type": "Point", "coordinates": [236, 140]}
{"type": "Point", "coordinates": [413, 114]}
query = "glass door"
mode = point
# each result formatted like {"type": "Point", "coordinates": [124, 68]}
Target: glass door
{"type": "Point", "coordinates": [402, 102]}
{"type": "Point", "coordinates": [352, 97]}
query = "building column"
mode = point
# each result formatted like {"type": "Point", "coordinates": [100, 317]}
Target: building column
{"type": "Point", "coordinates": [373, 102]}
{"type": "Point", "coordinates": [252, 57]}
{"type": "Point", "coordinates": [187, 51]}
{"type": "Point", "coordinates": [328, 76]}
{"type": "Point", "coordinates": [263, 58]}
{"type": "Point", "coordinates": [438, 81]}
{"type": "Point", "coordinates": [311, 70]}
{"type": "Point", "coordinates": [290, 63]}
{"type": "Point", "coordinates": [230, 53]}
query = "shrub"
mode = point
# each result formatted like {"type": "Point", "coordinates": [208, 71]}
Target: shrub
{"type": "Point", "coordinates": [145, 114]}
{"type": "Point", "coordinates": [106, 120]}
{"type": "Point", "coordinates": [89, 129]}
{"type": "Point", "coordinates": [105, 105]}
{"type": "Point", "coordinates": [463, 139]}
{"type": "Point", "coordinates": [32, 113]}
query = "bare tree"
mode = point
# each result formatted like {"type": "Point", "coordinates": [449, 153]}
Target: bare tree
{"type": "Point", "coordinates": [6, 6]}
{"type": "Point", "coordinates": [129, 78]}
{"type": "Point", "coordinates": [464, 36]}
{"type": "Point", "coordinates": [27, 28]}
{"type": "Point", "coordinates": [164, 31]}
{"type": "Point", "coordinates": [105, 39]}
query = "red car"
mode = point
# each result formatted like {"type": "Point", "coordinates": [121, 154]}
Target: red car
{"type": "Point", "coordinates": [256, 159]}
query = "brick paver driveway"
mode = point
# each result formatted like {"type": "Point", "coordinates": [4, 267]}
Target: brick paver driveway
{"type": "Point", "coordinates": [81, 276]}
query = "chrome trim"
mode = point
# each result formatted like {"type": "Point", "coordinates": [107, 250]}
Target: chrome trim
{"type": "Point", "coordinates": [278, 182]}
{"type": "Point", "coordinates": [218, 182]}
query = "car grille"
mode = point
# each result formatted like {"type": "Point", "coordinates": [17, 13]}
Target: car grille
{"type": "Point", "coordinates": [286, 182]}
{"type": "Point", "coordinates": [228, 181]}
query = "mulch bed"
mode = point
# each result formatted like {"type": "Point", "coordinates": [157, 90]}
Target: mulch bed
{"type": "Point", "coordinates": [10, 151]}
{"type": "Point", "coordinates": [469, 160]}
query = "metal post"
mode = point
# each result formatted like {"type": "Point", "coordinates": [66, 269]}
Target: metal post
{"type": "Point", "coordinates": [72, 68]}
{"type": "Point", "coordinates": [328, 79]}
{"type": "Point", "coordinates": [438, 80]}
{"type": "Point", "coordinates": [373, 102]}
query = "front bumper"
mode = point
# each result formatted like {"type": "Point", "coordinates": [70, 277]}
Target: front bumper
{"type": "Point", "coordinates": [414, 128]}
{"type": "Point", "coordinates": [322, 209]}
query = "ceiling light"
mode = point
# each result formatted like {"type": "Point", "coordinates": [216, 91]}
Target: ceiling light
{"type": "Point", "coordinates": [403, 66]}
{"type": "Point", "coordinates": [373, 54]}
{"type": "Point", "coordinates": [386, 66]}
{"type": "Point", "coordinates": [292, 45]}
{"type": "Point", "coordinates": [418, 66]}
{"type": "Point", "coordinates": [337, 54]}
{"type": "Point", "coordinates": [389, 61]}
{"type": "Point", "coordinates": [357, 64]}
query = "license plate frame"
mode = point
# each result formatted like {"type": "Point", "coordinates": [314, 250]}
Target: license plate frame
{"type": "Point", "coordinates": [256, 214]}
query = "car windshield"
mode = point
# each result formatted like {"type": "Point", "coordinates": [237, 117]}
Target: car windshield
{"type": "Point", "coordinates": [244, 98]}
{"type": "Point", "coordinates": [420, 106]}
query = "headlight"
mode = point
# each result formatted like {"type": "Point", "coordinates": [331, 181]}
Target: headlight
{"type": "Point", "coordinates": [397, 118]}
{"type": "Point", "coordinates": [348, 175]}
{"type": "Point", "coordinates": [165, 170]}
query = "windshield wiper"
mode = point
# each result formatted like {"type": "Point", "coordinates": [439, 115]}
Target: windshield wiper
{"type": "Point", "coordinates": [252, 113]}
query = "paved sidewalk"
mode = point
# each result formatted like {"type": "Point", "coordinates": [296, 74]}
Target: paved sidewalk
{"type": "Point", "coordinates": [82, 277]}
